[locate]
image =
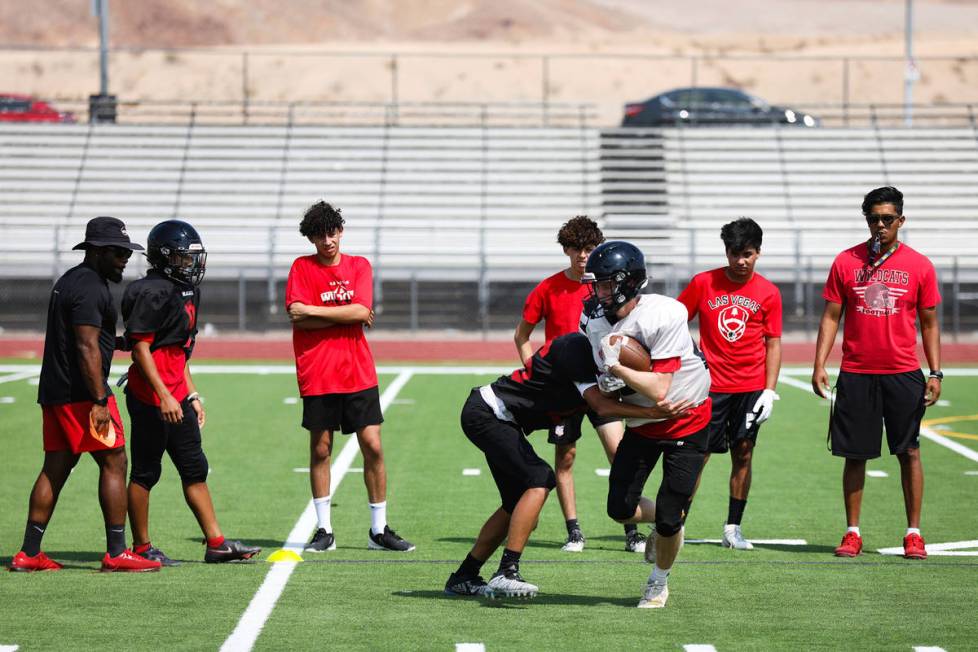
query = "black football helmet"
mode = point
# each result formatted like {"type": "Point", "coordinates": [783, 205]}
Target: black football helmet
{"type": "Point", "coordinates": [623, 265]}
{"type": "Point", "coordinates": [175, 250]}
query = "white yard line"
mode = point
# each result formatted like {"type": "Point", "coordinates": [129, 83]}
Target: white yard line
{"type": "Point", "coordinates": [925, 432]}
{"type": "Point", "coordinates": [256, 615]}
{"type": "Point", "coordinates": [24, 374]}
{"type": "Point", "coordinates": [699, 647]}
{"type": "Point", "coordinates": [470, 647]}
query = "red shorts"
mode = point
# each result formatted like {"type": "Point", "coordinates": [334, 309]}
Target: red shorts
{"type": "Point", "coordinates": [69, 427]}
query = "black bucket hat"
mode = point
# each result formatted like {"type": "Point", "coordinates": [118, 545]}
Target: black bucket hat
{"type": "Point", "coordinates": [107, 232]}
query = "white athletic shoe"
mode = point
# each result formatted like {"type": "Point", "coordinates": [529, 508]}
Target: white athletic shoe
{"type": "Point", "coordinates": [510, 585]}
{"type": "Point", "coordinates": [575, 542]}
{"type": "Point", "coordinates": [734, 538]}
{"type": "Point", "coordinates": [655, 595]}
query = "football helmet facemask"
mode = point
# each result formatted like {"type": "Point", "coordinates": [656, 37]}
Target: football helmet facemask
{"type": "Point", "coordinates": [615, 274]}
{"type": "Point", "coordinates": [175, 250]}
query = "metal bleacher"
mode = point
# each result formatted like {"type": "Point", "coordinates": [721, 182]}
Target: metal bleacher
{"type": "Point", "coordinates": [469, 201]}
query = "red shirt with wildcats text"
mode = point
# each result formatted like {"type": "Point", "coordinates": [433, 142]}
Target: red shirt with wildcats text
{"type": "Point", "coordinates": [735, 319]}
{"type": "Point", "coordinates": [336, 359]}
{"type": "Point", "coordinates": [880, 307]}
{"type": "Point", "coordinates": [559, 301]}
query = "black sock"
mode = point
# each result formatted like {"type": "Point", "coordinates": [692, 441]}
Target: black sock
{"type": "Point", "coordinates": [32, 538]}
{"type": "Point", "coordinates": [510, 563]}
{"type": "Point", "coordinates": [630, 527]}
{"type": "Point", "coordinates": [572, 525]}
{"type": "Point", "coordinates": [470, 567]}
{"type": "Point", "coordinates": [115, 539]}
{"type": "Point", "coordinates": [736, 511]}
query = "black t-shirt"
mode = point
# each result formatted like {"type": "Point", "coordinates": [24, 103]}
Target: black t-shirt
{"type": "Point", "coordinates": [80, 298]}
{"type": "Point", "coordinates": [544, 392]}
{"type": "Point", "coordinates": [167, 309]}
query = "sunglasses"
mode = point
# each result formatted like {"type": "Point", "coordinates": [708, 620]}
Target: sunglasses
{"type": "Point", "coordinates": [886, 219]}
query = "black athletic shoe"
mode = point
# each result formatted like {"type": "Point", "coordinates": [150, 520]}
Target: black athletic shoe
{"type": "Point", "coordinates": [155, 554]}
{"type": "Point", "coordinates": [388, 540]}
{"type": "Point", "coordinates": [321, 541]}
{"type": "Point", "coordinates": [230, 551]}
{"type": "Point", "coordinates": [465, 585]}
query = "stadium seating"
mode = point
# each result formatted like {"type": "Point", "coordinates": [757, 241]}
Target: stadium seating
{"type": "Point", "coordinates": [482, 203]}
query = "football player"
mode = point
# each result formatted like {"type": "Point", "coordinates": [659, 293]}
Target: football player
{"type": "Point", "coordinates": [740, 335]}
{"type": "Point", "coordinates": [616, 275]}
{"type": "Point", "coordinates": [558, 300]}
{"type": "Point", "coordinates": [558, 381]}
{"type": "Point", "coordinates": [167, 412]}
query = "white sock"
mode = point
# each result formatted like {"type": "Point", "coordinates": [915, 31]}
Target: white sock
{"type": "Point", "coordinates": [322, 512]}
{"type": "Point", "coordinates": [853, 528]}
{"type": "Point", "coordinates": [659, 575]}
{"type": "Point", "coordinates": [913, 530]}
{"type": "Point", "coordinates": [378, 517]}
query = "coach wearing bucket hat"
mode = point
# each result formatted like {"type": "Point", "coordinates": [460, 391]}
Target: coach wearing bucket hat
{"type": "Point", "coordinates": [79, 412]}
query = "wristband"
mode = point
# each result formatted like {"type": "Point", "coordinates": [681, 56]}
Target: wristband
{"type": "Point", "coordinates": [194, 396]}
{"type": "Point", "coordinates": [103, 402]}
{"type": "Point", "coordinates": [937, 374]}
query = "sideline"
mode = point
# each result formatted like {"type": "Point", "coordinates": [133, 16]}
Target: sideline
{"type": "Point", "coordinates": [260, 608]}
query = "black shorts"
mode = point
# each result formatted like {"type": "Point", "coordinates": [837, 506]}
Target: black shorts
{"type": "Point", "coordinates": [569, 430]}
{"type": "Point", "coordinates": [151, 436]}
{"type": "Point", "coordinates": [682, 461]}
{"type": "Point", "coordinates": [864, 402]}
{"type": "Point", "coordinates": [514, 465]}
{"type": "Point", "coordinates": [729, 421]}
{"type": "Point", "coordinates": [348, 413]}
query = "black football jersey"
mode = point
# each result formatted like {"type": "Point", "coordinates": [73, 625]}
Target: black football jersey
{"type": "Point", "coordinates": [543, 392]}
{"type": "Point", "coordinates": [167, 309]}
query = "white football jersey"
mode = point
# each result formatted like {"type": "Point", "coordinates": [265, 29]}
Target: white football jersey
{"type": "Point", "coordinates": [660, 324]}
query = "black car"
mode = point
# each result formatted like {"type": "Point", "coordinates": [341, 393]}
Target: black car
{"type": "Point", "coordinates": [710, 106]}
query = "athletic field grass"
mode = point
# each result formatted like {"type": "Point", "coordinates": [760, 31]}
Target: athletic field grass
{"type": "Point", "coordinates": [786, 595]}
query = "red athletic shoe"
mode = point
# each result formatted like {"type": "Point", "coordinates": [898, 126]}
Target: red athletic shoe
{"type": "Point", "coordinates": [913, 547]}
{"type": "Point", "coordinates": [127, 562]}
{"type": "Point", "coordinates": [21, 563]}
{"type": "Point", "coordinates": [852, 545]}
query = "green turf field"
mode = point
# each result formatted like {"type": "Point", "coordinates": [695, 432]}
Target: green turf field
{"type": "Point", "coordinates": [779, 596]}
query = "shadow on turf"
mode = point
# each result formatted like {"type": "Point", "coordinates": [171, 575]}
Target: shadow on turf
{"type": "Point", "coordinates": [542, 598]}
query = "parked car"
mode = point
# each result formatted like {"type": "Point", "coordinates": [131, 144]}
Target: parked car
{"type": "Point", "coordinates": [710, 106]}
{"type": "Point", "coordinates": [24, 108]}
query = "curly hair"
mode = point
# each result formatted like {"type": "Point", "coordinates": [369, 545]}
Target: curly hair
{"type": "Point", "coordinates": [321, 219]}
{"type": "Point", "coordinates": [580, 233]}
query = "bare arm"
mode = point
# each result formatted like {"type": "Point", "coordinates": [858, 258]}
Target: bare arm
{"type": "Point", "coordinates": [309, 317]}
{"type": "Point", "coordinates": [772, 362]}
{"type": "Point", "coordinates": [606, 406]}
{"type": "Point", "coordinates": [827, 330]}
{"type": "Point", "coordinates": [169, 406]}
{"type": "Point", "coordinates": [522, 339]}
{"type": "Point", "coordinates": [90, 361]}
{"type": "Point", "coordinates": [650, 384]}
{"type": "Point", "coordinates": [930, 333]}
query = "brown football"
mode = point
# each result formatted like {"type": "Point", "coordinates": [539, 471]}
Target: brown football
{"type": "Point", "coordinates": [633, 355]}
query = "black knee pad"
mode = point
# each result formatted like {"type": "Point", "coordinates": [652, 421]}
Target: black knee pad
{"type": "Point", "coordinates": [669, 508]}
{"type": "Point", "coordinates": [193, 468]}
{"type": "Point", "coordinates": [620, 506]}
{"type": "Point", "coordinates": [146, 476]}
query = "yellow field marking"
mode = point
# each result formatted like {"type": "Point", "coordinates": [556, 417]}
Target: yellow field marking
{"type": "Point", "coordinates": [929, 423]}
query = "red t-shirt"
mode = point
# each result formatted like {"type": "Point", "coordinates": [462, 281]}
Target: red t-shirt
{"type": "Point", "coordinates": [559, 300]}
{"type": "Point", "coordinates": [735, 319]}
{"type": "Point", "coordinates": [337, 359]}
{"type": "Point", "coordinates": [880, 307]}
{"type": "Point", "coordinates": [170, 361]}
